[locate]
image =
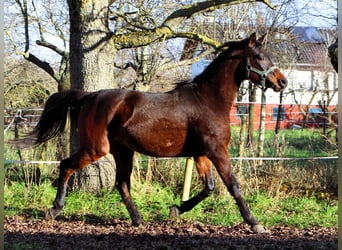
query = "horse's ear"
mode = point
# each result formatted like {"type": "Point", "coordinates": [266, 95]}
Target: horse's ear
{"type": "Point", "coordinates": [252, 40]}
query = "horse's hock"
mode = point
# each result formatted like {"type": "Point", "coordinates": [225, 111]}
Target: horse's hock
{"type": "Point", "coordinates": [98, 175]}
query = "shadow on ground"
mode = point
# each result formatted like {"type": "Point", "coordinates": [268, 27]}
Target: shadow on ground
{"type": "Point", "coordinates": [28, 233]}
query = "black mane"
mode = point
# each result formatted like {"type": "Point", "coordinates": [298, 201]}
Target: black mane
{"type": "Point", "coordinates": [212, 67]}
{"type": "Point", "coordinates": [223, 56]}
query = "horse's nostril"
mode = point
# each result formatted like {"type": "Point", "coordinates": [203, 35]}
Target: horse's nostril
{"type": "Point", "coordinates": [283, 82]}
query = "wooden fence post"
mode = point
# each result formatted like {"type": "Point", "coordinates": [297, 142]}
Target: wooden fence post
{"type": "Point", "coordinates": [187, 178]}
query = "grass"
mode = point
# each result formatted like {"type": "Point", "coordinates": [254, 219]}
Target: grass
{"type": "Point", "coordinates": [297, 193]}
{"type": "Point", "coordinates": [154, 201]}
{"type": "Point", "coordinates": [293, 143]}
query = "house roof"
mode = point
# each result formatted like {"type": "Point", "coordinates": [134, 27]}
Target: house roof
{"type": "Point", "coordinates": [304, 47]}
{"type": "Point", "coordinates": [307, 34]}
{"type": "Point", "coordinates": [302, 54]}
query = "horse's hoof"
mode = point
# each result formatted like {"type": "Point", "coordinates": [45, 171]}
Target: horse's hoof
{"type": "Point", "coordinates": [51, 214]}
{"type": "Point", "coordinates": [137, 222]}
{"type": "Point", "coordinates": [259, 229]}
{"type": "Point", "coordinates": [174, 211]}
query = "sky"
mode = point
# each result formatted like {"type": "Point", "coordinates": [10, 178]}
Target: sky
{"type": "Point", "coordinates": [317, 13]}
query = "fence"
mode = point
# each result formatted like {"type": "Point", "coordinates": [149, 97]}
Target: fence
{"type": "Point", "coordinates": [29, 117]}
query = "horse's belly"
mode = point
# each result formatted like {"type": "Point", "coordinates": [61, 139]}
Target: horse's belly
{"type": "Point", "coordinates": [163, 137]}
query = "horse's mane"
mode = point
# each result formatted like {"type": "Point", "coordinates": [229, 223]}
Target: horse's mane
{"type": "Point", "coordinates": [226, 49]}
{"type": "Point", "coordinates": [223, 56]}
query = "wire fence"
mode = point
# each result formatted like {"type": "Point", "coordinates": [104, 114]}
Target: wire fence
{"type": "Point", "coordinates": [232, 158]}
{"type": "Point", "coordinates": [28, 118]}
{"type": "Point", "coordinates": [289, 115]}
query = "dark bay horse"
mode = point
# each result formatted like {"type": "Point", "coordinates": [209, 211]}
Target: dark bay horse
{"type": "Point", "coordinates": [191, 120]}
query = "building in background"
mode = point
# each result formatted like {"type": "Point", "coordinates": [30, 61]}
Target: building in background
{"type": "Point", "coordinates": [310, 99]}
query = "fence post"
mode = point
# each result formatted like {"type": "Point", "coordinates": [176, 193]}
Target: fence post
{"type": "Point", "coordinates": [187, 178]}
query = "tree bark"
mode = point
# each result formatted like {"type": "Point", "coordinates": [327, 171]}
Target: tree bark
{"type": "Point", "coordinates": [91, 65]}
{"type": "Point", "coordinates": [243, 125]}
{"type": "Point", "coordinates": [252, 98]}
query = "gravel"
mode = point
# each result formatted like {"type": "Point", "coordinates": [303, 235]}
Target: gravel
{"type": "Point", "coordinates": [29, 233]}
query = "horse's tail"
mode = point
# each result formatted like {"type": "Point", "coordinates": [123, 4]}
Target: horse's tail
{"type": "Point", "coordinates": [53, 119]}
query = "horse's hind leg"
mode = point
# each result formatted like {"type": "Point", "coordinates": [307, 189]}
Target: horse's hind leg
{"type": "Point", "coordinates": [203, 165]}
{"type": "Point", "coordinates": [124, 164]}
{"type": "Point", "coordinates": [67, 167]}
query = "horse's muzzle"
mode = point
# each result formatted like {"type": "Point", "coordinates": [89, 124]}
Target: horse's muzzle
{"type": "Point", "coordinates": [281, 85]}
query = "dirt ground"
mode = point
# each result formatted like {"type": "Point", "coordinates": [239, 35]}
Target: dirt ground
{"type": "Point", "coordinates": [28, 233]}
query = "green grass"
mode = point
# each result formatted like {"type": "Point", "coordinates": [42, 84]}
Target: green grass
{"type": "Point", "coordinates": [154, 201]}
{"type": "Point", "coordinates": [293, 143]}
{"type": "Point", "coordinates": [299, 205]}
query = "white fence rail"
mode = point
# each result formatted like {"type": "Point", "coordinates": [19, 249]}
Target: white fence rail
{"type": "Point", "coordinates": [232, 158]}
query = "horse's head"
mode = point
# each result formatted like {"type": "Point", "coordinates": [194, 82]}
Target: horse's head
{"type": "Point", "coordinates": [260, 68]}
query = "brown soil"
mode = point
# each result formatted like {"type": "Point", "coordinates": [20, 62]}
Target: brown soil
{"type": "Point", "coordinates": [28, 233]}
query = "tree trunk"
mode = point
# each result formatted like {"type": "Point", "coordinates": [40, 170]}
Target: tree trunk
{"type": "Point", "coordinates": [251, 108]}
{"type": "Point", "coordinates": [63, 143]}
{"type": "Point", "coordinates": [243, 126]}
{"type": "Point", "coordinates": [261, 140]}
{"type": "Point", "coordinates": [242, 140]}
{"type": "Point", "coordinates": [279, 114]}
{"type": "Point", "coordinates": [91, 65]}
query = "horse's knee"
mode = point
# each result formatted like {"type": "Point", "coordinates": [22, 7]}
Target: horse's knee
{"type": "Point", "coordinates": [235, 191]}
{"type": "Point", "coordinates": [234, 188]}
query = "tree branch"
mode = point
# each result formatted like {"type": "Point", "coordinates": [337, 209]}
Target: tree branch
{"type": "Point", "coordinates": [41, 64]}
{"type": "Point", "coordinates": [23, 9]}
{"type": "Point", "coordinates": [26, 54]}
{"type": "Point", "coordinates": [198, 37]}
{"type": "Point", "coordinates": [166, 30]}
{"type": "Point", "coordinates": [52, 47]}
{"type": "Point", "coordinates": [180, 15]}
{"type": "Point", "coordinates": [185, 62]}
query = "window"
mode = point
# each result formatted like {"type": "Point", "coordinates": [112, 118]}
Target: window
{"type": "Point", "coordinates": [275, 111]}
{"type": "Point", "coordinates": [315, 112]}
{"type": "Point", "coordinates": [241, 110]}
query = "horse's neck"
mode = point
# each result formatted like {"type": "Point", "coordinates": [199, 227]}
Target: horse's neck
{"type": "Point", "coordinates": [222, 86]}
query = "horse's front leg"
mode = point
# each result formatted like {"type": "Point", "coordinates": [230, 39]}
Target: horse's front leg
{"type": "Point", "coordinates": [222, 163]}
{"type": "Point", "coordinates": [203, 166]}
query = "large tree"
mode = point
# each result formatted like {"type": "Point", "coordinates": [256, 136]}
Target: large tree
{"type": "Point", "coordinates": [98, 30]}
